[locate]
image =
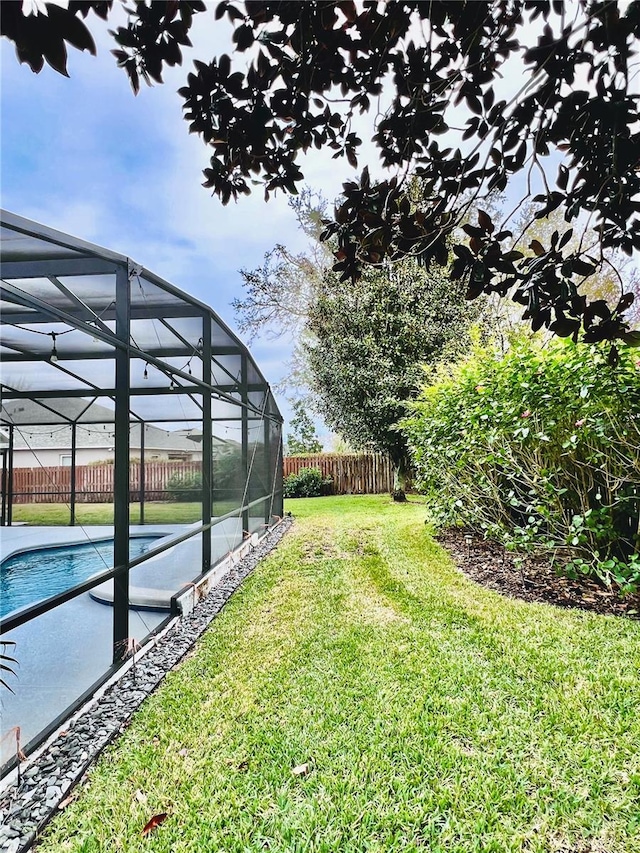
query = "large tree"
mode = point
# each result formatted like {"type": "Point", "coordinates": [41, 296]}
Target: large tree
{"type": "Point", "coordinates": [278, 295]}
{"type": "Point", "coordinates": [368, 348]}
{"type": "Point", "coordinates": [360, 351]}
{"type": "Point", "coordinates": [617, 271]}
{"type": "Point", "coordinates": [412, 64]}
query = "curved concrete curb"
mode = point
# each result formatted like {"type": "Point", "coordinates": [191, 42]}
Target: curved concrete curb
{"type": "Point", "coordinates": [140, 597]}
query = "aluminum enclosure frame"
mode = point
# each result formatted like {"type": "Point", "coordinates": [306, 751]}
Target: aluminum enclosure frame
{"type": "Point", "coordinates": [80, 322]}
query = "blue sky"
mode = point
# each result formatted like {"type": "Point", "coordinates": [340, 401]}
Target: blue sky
{"type": "Point", "coordinates": [86, 156]}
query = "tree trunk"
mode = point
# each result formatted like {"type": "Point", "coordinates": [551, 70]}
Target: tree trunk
{"type": "Point", "coordinates": [399, 481]}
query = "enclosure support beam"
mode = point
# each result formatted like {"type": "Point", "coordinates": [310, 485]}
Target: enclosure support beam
{"type": "Point", "coordinates": [10, 479]}
{"type": "Point", "coordinates": [3, 518]}
{"type": "Point", "coordinates": [244, 396]}
{"type": "Point", "coordinates": [72, 500]}
{"type": "Point", "coordinates": [20, 353]}
{"type": "Point", "coordinates": [207, 445]}
{"type": "Point", "coordinates": [192, 385]}
{"type": "Point", "coordinates": [268, 462]}
{"type": "Point", "coordinates": [121, 473]}
{"type": "Point", "coordinates": [143, 473]}
{"type": "Point", "coordinates": [57, 266]}
{"type": "Point", "coordinates": [279, 505]}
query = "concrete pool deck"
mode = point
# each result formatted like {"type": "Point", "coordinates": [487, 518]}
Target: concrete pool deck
{"type": "Point", "coordinates": [152, 583]}
{"type": "Point", "coordinates": [64, 651]}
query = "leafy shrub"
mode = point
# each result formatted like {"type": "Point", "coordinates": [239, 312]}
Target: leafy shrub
{"type": "Point", "coordinates": [228, 474]}
{"type": "Point", "coordinates": [184, 487]}
{"type": "Point", "coordinates": [307, 483]}
{"type": "Point", "coordinates": [538, 447]}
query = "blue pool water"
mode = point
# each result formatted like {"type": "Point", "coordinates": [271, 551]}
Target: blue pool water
{"type": "Point", "coordinates": [34, 575]}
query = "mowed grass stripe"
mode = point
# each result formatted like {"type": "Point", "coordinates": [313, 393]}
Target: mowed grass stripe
{"type": "Point", "coordinates": [433, 715]}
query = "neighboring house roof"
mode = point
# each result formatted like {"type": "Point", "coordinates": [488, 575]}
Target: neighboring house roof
{"type": "Point", "coordinates": [195, 437]}
{"type": "Point", "coordinates": [58, 410]}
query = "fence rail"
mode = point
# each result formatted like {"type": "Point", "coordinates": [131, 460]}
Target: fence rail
{"type": "Point", "coordinates": [352, 474]}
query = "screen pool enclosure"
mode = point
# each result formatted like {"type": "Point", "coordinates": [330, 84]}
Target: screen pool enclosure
{"type": "Point", "coordinates": [123, 392]}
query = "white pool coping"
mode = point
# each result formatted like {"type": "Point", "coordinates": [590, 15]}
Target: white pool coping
{"type": "Point", "coordinates": [13, 540]}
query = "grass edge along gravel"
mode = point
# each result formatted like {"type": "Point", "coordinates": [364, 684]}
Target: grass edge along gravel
{"type": "Point", "coordinates": [418, 711]}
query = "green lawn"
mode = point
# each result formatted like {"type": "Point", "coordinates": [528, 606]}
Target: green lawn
{"type": "Point", "coordinates": [434, 715]}
{"type": "Point", "coordinates": [154, 513]}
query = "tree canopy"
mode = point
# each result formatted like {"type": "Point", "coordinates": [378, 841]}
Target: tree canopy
{"type": "Point", "coordinates": [303, 438]}
{"type": "Point", "coordinates": [432, 76]}
{"type": "Point", "coordinates": [368, 347]}
{"type": "Point", "coordinates": [278, 295]}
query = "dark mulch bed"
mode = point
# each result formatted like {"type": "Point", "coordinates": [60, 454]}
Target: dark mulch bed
{"type": "Point", "coordinates": [487, 563]}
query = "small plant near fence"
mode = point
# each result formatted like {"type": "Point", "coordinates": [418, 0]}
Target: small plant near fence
{"type": "Point", "coordinates": [538, 447]}
{"type": "Point", "coordinates": [184, 487]}
{"type": "Point", "coordinates": [307, 483]}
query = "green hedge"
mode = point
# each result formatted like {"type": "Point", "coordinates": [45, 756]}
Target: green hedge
{"type": "Point", "coordinates": [184, 487]}
{"type": "Point", "coordinates": [538, 447]}
{"type": "Point", "coordinates": [307, 483]}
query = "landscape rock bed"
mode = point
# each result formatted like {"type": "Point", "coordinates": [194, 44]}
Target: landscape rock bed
{"type": "Point", "coordinates": [46, 783]}
{"type": "Point", "coordinates": [487, 563]}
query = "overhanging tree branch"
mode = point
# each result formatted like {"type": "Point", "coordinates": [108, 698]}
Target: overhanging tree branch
{"type": "Point", "coordinates": [578, 105]}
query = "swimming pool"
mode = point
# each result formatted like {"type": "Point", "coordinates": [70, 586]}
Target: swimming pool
{"type": "Point", "coordinates": [32, 576]}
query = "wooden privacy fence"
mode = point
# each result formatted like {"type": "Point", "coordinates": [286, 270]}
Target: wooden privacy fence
{"type": "Point", "coordinates": [352, 474]}
{"type": "Point", "coordinates": [94, 483]}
